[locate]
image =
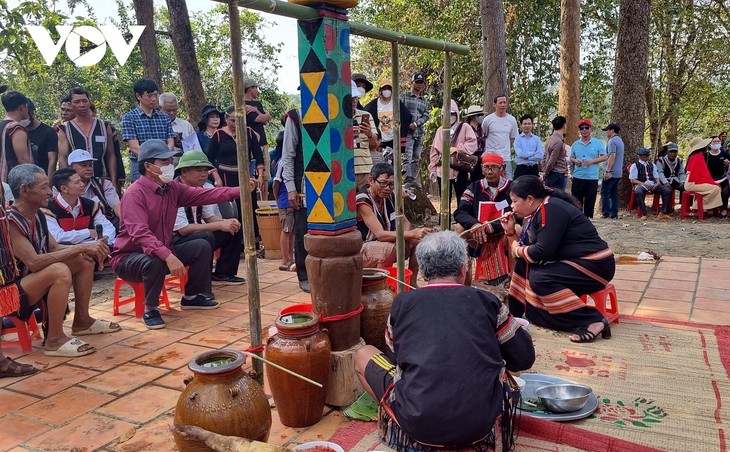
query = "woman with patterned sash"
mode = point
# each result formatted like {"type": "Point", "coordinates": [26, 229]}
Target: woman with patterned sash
{"type": "Point", "coordinates": [559, 257]}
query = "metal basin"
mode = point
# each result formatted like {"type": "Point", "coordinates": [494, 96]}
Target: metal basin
{"type": "Point", "coordinates": [564, 398]}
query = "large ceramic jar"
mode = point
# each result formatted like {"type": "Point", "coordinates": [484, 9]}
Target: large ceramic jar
{"type": "Point", "coordinates": [377, 299]}
{"type": "Point", "coordinates": [221, 398]}
{"type": "Point", "coordinates": [301, 347]}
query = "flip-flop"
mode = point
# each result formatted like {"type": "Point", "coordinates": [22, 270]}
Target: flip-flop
{"type": "Point", "coordinates": [71, 349]}
{"type": "Point", "coordinates": [100, 326]}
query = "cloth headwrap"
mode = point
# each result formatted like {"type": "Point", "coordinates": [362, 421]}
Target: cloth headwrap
{"type": "Point", "coordinates": [492, 158]}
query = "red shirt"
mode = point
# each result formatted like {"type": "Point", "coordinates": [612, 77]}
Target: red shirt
{"type": "Point", "coordinates": [697, 171]}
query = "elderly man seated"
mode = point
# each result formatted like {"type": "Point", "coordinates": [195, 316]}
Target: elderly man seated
{"type": "Point", "coordinates": [144, 251]}
{"type": "Point", "coordinates": [483, 202]}
{"type": "Point", "coordinates": [449, 346]}
{"type": "Point", "coordinates": [644, 176]}
{"type": "Point", "coordinates": [72, 218]}
{"type": "Point", "coordinates": [37, 253]}
{"type": "Point", "coordinates": [376, 221]}
{"type": "Point", "coordinates": [206, 222]}
{"type": "Point", "coordinates": [95, 188]}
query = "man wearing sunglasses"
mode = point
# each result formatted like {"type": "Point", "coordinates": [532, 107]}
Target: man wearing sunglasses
{"type": "Point", "coordinates": [376, 222]}
{"type": "Point", "coordinates": [586, 154]}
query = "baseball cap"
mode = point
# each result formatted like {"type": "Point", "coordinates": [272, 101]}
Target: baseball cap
{"type": "Point", "coordinates": [249, 83]}
{"type": "Point", "coordinates": [155, 149]}
{"type": "Point", "coordinates": [80, 155]}
{"type": "Point", "coordinates": [418, 77]}
{"type": "Point", "coordinates": [612, 126]}
{"type": "Point", "coordinates": [585, 121]}
{"type": "Point", "coordinates": [194, 159]}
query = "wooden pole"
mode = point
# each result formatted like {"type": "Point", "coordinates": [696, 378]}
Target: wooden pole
{"type": "Point", "coordinates": [252, 277]}
{"type": "Point", "coordinates": [400, 241]}
{"type": "Point", "coordinates": [446, 144]}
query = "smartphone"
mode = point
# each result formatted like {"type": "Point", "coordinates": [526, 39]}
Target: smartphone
{"type": "Point", "coordinates": [366, 120]}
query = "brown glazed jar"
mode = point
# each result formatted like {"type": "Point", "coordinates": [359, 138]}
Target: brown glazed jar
{"type": "Point", "coordinates": [377, 299]}
{"type": "Point", "coordinates": [221, 398]}
{"type": "Point", "coordinates": [301, 347]}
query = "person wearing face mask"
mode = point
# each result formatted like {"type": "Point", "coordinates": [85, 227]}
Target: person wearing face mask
{"type": "Point", "coordinates": [381, 110]}
{"type": "Point", "coordinates": [718, 162]}
{"type": "Point", "coordinates": [144, 250]}
{"type": "Point", "coordinates": [14, 141]}
{"type": "Point", "coordinates": [462, 138]}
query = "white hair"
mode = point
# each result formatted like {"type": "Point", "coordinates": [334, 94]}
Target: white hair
{"type": "Point", "coordinates": [167, 98]}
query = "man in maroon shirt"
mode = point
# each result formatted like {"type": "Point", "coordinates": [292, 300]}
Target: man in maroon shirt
{"type": "Point", "coordinates": [144, 251]}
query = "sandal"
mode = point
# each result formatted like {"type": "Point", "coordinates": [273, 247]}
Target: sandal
{"type": "Point", "coordinates": [586, 335]}
{"type": "Point", "coordinates": [9, 368]}
{"type": "Point", "coordinates": [291, 266]}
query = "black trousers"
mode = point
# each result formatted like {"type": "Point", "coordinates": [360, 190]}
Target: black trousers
{"type": "Point", "coordinates": [231, 180]}
{"type": "Point", "coordinates": [229, 244]}
{"type": "Point", "coordinates": [300, 253]}
{"type": "Point", "coordinates": [526, 170]}
{"type": "Point", "coordinates": [151, 270]}
{"type": "Point", "coordinates": [586, 190]}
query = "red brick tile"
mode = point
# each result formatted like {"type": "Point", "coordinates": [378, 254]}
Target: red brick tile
{"type": "Point", "coordinates": [38, 358]}
{"type": "Point", "coordinates": [621, 285]}
{"type": "Point", "coordinates": [632, 276]}
{"type": "Point", "coordinates": [628, 295]}
{"type": "Point", "coordinates": [53, 380]}
{"type": "Point", "coordinates": [691, 260]}
{"type": "Point", "coordinates": [285, 287]}
{"type": "Point", "coordinates": [661, 315]}
{"type": "Point", "coordinates": [66, 405]}
{"type": "Point", "coordinates": [100, 341]}
{"type": "Point", "coordinates": [638, 266]}
{"type": "Point", "coordinates": [151, 340]}
{"type": "Point", "coordinates": [124, 378]}
{"type": "Point", "coordinates": [711, 304]}
{"type": "Point", "coordinates": [17, 430]}
{"type": "Point", "coordinates": [172, 356]}
{"type": "Point", "coordinates": [218, 336]}
{"type": "Point", "coordinates": [626, 308]}
{"type": "Point", "coordinates": [231, 308]}
{"type": "Point", "coordinates": [676, 275]}
{"type": "Point", "coordinates": [12, 401]}
{"type": "Point", "coordinates": [300, 298]}
{"type": "Point", "coordinates": [668, 294]}
{"type": "Point", "coordinates": [688, 286]}
{"type": "Point", "coordinates": [717, 294]}
{"type": "Point", "coordinates": [722, 264]}
{"type": "Point", "coordinates": [194, 323]}
{"type": "Point", "coordinates": [714, 282]}
{"type": "Point", "coordinates": [175, 379]}
{"type": "Point", "coordinates": [711, 317]}
{"type": "Point", "coordinates": [88, 432]}
{"type": "Point", "coordinates": [142, 405]}
{"type": "Point", "coordinates": [155, 436]}
{"type": "Point", "coordinates": [666, 305]}
{"type": "Point", "coordinates": [679, 266]}
{"type": "Point", "coordinates": [108, 357]}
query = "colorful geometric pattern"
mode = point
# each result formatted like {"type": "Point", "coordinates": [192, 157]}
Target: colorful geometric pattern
{"type": "Point", "coordinates": [329, 169]}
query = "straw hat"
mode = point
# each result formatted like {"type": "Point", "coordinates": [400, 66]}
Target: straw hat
{"type": "Point", "coordinates": [474, 110]}
{"type": "Point", "coordinates": [699, 144]}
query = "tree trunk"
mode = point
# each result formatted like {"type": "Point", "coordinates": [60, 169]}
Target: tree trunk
{"type": "Point", "coordinates": [193, 97]}
{"type": "Point", "coordinates": [629, 82]}
{"type": "Point", "coordinates": [145, 12]}
{"type": "Point", "coordinates": [569, 86]}
{"type": "Point", "coordinates": [494, 52]}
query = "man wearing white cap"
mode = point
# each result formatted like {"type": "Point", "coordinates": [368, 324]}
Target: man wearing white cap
{"type": "Point", "coordinates": [97, 189]}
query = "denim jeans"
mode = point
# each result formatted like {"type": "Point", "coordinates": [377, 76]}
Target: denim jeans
{"type": "Point", "coordinates": [609, 197]}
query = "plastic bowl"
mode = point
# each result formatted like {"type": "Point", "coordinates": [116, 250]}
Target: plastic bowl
{"type": "Point", "coordinates": [520, 382]}
{"type": "Point", "coordinates": [524, 323]}
{"type": "Point", "coordinates": [564, 398]}
{"type": "Point", "coordinates": [313, 445]}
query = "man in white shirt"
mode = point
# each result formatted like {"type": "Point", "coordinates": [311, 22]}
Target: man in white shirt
{"type": "Point", "coordinates": [645, 178]}
{"type": "Point", "coordinates": [500, 131]}
{"type": "Point", "coordinates": [182, 128]}
{"type": "Point", "coordinates": [206, 222]}
{"type": "Point", "coordinates": [97, 189]}
{"type": "Point", "coordinates": [73, 219]}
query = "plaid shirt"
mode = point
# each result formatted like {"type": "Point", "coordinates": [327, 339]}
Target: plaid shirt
{"type": "Point", "coordinates": [136, 125]}
{"type": "Point", "coordinates": [419, 110]}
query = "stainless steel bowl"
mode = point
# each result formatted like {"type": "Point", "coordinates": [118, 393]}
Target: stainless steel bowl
{"type": "Point", "coordinates": [564, 398]}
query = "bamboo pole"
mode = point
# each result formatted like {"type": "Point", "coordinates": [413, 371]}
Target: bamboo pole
{"type": "Point", "coordinates": [252, 278]}
{"type": "Point", "coordinates": [286, 9]}
{"type": "Point", "coordinates": [446, 144]}
{"type": "Point", "coordinates": [400, 241]}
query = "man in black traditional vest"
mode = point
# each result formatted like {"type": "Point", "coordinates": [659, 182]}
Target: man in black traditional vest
{"type": "Point", "coordinates": [72, 218]}
{"type": "Point", "coordinates": [206, 222]}
{"type": "Point", "coordinates": [14, 141]}
{"type": "Point", "coordinates": [671, 168]}
{"type": "Point", "coordinates": [645, 179]}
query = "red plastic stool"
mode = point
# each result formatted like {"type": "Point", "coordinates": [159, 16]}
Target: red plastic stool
{"type": "Point", "coordinates": [656, 205]}
{"type": "Point", "coordinates": [599, 301]}
{"type": "Point", "coordinates": [137, 298]}
{"type": "Point", "coordinates": [687, 209]}
{"type": "Point", "coordinates": [26, 331]}
{"type": "Point", "coordinates": [177, 282]}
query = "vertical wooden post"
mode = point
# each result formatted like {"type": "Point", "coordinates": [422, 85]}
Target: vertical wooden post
{"type": "Point", "coordinates": [446, 145]}
{"type": "Point", "coordinates": [400, 241]}
{"type": "Point", "coordinates": [252, 277]}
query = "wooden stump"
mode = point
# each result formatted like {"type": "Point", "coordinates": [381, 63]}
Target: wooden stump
{"type": "Point", "coordinates": [343, 386]}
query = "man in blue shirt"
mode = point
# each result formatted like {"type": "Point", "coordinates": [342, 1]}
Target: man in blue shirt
{"type": "Point", "coordinates": [528, 149]}
{"type": "Point", "coordinates": [145, 123]}
{"type": "Point", "coordinates": [613, 171]}
{"type": "Point", "coordinates": [586, 154]}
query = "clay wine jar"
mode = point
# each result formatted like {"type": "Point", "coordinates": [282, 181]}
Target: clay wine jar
{"type": "Point", "coordinates": [221, 398]}
{"type": "Point", "coordinates": [377, 300]}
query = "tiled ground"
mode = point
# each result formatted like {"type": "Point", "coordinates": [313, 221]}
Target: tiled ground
{"type": "Point", "coordinates": [122, 397]}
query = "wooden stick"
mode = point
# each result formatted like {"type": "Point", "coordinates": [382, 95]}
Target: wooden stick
{"type": "Point", "coordinates": [253, 355]}
{"type": "Point", "coordinates": [480, 224]}
{"type": "Point", "coordinates": [398, 280]}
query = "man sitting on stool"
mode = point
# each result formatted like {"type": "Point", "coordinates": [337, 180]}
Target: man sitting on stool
{"type": "Point", "coordinates": [144, 251]}
{"type": "Point", "coordinates": [97, 189]}
{"type": "Point", "coordinates": [206, 222]}
{"type": "Point", "coordinates": [645, 178]}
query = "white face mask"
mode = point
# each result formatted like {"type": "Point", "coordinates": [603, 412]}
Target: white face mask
{"type": "Point", "coordinates": [24, 122]}
{"type": "Point", "coordinates": [715, 147]}
{"type": "Point", "coordinates": [386, 93]}
{"type": "Point", "coordinates": [167, 174]}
